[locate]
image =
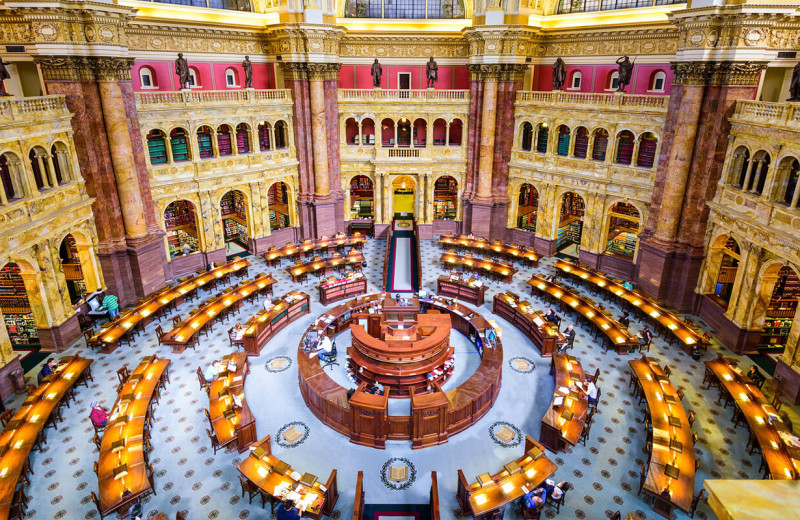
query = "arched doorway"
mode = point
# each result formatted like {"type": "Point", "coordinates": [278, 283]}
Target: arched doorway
{"type": "Point", "coordinates": [781, 309]}
{"type": "Point", "coordinates": [362, 197]}
{"type": "Point", "coordinates": [445, 198]}
{"type": "Point", "coordinates": [16, 307]}
{"type": "Point", "coordinates": [528, 207]}
{"type": "Point", "coordinates": [180, 222]}
{"type": "Point", "coordinates": [404, 133]}
{"type": "Point", "coordinates": [233, 207]}
{"type": "Point", "coordinates": [420, 133]}
{"type": "Point", "coordinates": [570, 225]}
{"type": "Point", "coordinates": [729, 265]}
{"type": "Point", "coordinates": [71, 265]}
{"type": "Point", "coordinates": [403, 195]}
{"type": "Point", "coordinates": [278, 200]}
{"type": "Point", "coordinates": [623, 228]}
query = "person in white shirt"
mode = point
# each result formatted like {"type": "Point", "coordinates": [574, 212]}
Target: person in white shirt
{"type": "Point", "coordinates": [324, 347]}
{"type": "Point", "coordinates": [238, 332]}
{"type": "Point", "coordinates": [268, 303]}
{"type": "Point", "coordinates": [590, 390]}
{"type": "Point", "coordinates": [187, 249]}
{"type": "Point", "coordinates": [211, 371]}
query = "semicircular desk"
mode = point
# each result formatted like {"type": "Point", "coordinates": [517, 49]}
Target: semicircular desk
{"type": "Point", "coordinates": [435, 415]}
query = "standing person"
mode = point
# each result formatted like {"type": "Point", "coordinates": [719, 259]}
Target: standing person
{"type": "Point", "coordinates": [288, 512]}
{"type": "Point", "coordinates": [111, 304]}
{"type": "Point", "coordinates": [48, 369]}
{"type": "Point", "coordinates": [570, 334]}
{"type": "Point", "coordinates": [98, 415]}
{"type": "Point", "coordinates": [625, 319]}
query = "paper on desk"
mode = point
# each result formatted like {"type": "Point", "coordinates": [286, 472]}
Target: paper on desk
{"type": "Point", "coordinates": [237, 379]}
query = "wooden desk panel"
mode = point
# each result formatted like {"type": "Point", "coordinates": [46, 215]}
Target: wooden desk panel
{"type": "Point", "coordinates": [782, 458]}
{"type": "Point", "coordinates": [462, 288]}
{"type": "Point", "coordinates": [558, 432]}
{"type": "Point", "coordinates": [658, 394]}
{"type": "Point", "coordinates": [619, 337]}
{"type": "Point", "coordinates": [491, 247]}
{"type": "Point", "coordinates": [141, 385]}
{"type": "Point", "coordinates": [108, 338]}
{"type": "Point", "coordinates": [19, 435]}
{"type": "Point", "coordinates": [325, 265]}
{"type": "Point", "coordinates": [262, 327]}
{"type": "Point", "coordinates": [505, 271]}
{"type": "Point", "coordinates": [231, 424]}
{"type": "Point", "coordinates": [672, 322]}
{"type": "Point", "coordinates": [179, 336]}
{"type": "Point", "coordinates": [309, 246]}
{"type": "Point", "coordinates": [342, 288]}
{"type": "Point", "coordinates": [545, 336]}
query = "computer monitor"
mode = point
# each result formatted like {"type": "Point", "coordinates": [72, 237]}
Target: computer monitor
{"type": "Point", "coordinates": [312, 338]}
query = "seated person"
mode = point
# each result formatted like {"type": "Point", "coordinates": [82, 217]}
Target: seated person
{"type": "Point", "coordinates": [590, 390]}
{"type": "Point", "coordinates": [288, 512]}
{"type": "Point", "coordinates": [625, 319]}
{"type": "Point", "coordinates": [268, 303]}
{"type": "Point", "coordinates": [238, 332]}
{"type": "Point", "coordinates": [551, 316]}
{"type": "Point", "coordinates": [324, 348]}
{"type": "Point", "coordinates": [48, 369]}
{"type": "Point", "coordinates": [535, 499]}
{"type": "Point", "coordinates": [628, 285]}
{"type": "Point", "coordinates": [645, 337]}
{"type": "Point", "coordinates": [755, 374]}
{"type": "Point", "coordinates": [211, 372]}
{"type": "Point", "coordinates": [210, 266]}
{"type": "Point", "coordinates": [556, 491]}
{"type": "Point", "coordinates": [98, 415]}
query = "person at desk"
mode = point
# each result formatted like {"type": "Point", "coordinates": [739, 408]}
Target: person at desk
{"type": "Point", "coordinates": [288, 512]}
{"type": "Point", "coordinates": [324, 348]}
{"type": "Point", "coordinates": [644, 337]}
{"type": "Point", "coordinates": [268, 303]}
{"type": "Point", "coordinates": [237, 333]}
{"type": "Point", "coordinates": [590, 389]}
{"type": "Point", "coordinates": [570, 334]}
{"type": "Point", "coordinates": [628, 285]}
{"type": "Point", "coordinates": [98, 415]}
{"type": "Point", "coordinates": [187, 249]}
{"type": "Point", "coordinates": [111, 304]}
{"type": "Point", "coordinates": [49, 368]}
{"type": "Point", "coordinates": [625, 319]}
{"type": "Point", "coordinates": [210, 266]}
{"type": "Point", "coordinates": [556, 491]}
{"type": "Point", "coordinates": [551, 316]}
{"type": "Point", "coordinates": [535, 499]}
{"type": "Point", "coordinates": [755, 375]}
{"type": "Point", "coordinates": [211, 372]}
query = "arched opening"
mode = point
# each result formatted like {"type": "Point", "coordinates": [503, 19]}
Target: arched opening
{"type": "Point", "coordinates": [729, 265]}
{"type": "Point", "coordinates": [742, 155]}
{"type": "Point", "coordinates": [570, 224]}
{"type": "Point", "coordinates": [54, 156]}
{"type": "Point", "coordinates": [180, 221]}
{"type": "Point", "coordinates": [420, 133]}
{"type": "Point", "coordinates": [575, 81]}
{"type": "Point", "coordinates": [224, 144]}
{"type": "Point", "coordinates": [613, 81]}
{"type": "Point", "coordinates": [791, 168]}
{"type": "Point", "coordinates": [264, 140]}
{"type": "Point", "coordinates": [157, 147]}
{"type": "Point", "coordinates": [758, 172]}
{"type": "Point", "coordinates": [404, 133]}
{"type": "Point", "coordinates": [362, 197]}
{"type": "Point", "coordinates": [403, 195]}
{"type": "Point", "coordinates": [10, 175]}
{"type": "Point", "coordinates": [278, 199]}
{"type": "Point", "coordinates": [16, 307]}
{"type": "Point", "coordinates": [542, 135]}
{"type": "Point", "coordinates": [658, 81]}
{"type": "Point", "coordinates": [5, 178]}
{"type": "Point", "coordinates": [387, 133]}
{"type": "Point", "coordinates": [526, 137]}
{"type": "Point", "coordinates": [562, 147]}
{"type": "Point", "coordinates": [179, 142]}
{"type": "Point", "coordinates": [456, 132]}
{"type": "Point", "coordinates": [205, 146]}
{"type": "Point", "coordinates": [781, 310]}
{"type": "Point", "coordinates": [581, 143]}
{"type": "Point", "coordinates": [243, 138]}
{"type": "Point", "coordinates": [445, 198]}
{"type": "Point", "coordinates": [368, 131]}
{"type": "Point", "coordinates": [71, 265]}
{"type": "Point", "coordinates": [647, 150]}
{"type": "Point", "coordinates": [147, 78]}
{"type": "Point", "coordinates": [600, 144]}
{"type": "Point", "coordinates": [233, 207]}
{"type": "Point", "coordinates": [439, 132]}
{"type": "Point", "coordinates": [194, 78]}
{"type": "Point", "coordinates": [624, 147]}
{"type": "Point", "coordinates": [37, 157]}
{"type": "Point", "coordinates": [528, 207]}
{"type": "Point", "coordinates": [623, 228]}
{"type": "Point", "coordinates": [351, 131]}
{"type": "Point", "coordinates": [281, 137]}
{"type": "Point", "coordinates": [231, 78]}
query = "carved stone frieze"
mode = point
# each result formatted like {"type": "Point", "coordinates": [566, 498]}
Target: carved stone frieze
{"type": "Point", "coordinates": [717, 73]}
{"type": "Point", "coordinates": [369, 45]}
{"type": "Point", "coordinates": [499, 72]}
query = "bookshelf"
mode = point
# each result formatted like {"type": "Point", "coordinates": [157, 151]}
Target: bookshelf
{"type": "Point", "coordinates": [278, 200]}
{"type": "Point", "coordinates": [180, 145]}
{"type": "Point", "coordinates": [157, 148]}
{"type": "Point", "coordinates": [623, 244]}
{"type": "Point", "coordinates": [234, 217]}
{"type": "Point", "coordinates": [224, 143]}
{"type": "Point", "coordinates": [16, 307]}
{"type": "Point", "coordinates": [242, 142]}
{"type": "Point", "coordinates": [204, 146]}
{"type": "Point", "coordinates": [569, 233]}
{"type": "Point", "coordinates": [647, 153]}
{"type": "Point", "coordinates": [181, 227]}
{"type": "Point", "coordinates": [571, 206]}
{"type": "Point", "coordinates": [781, 311]}
{"type": "Point", "coordinates": [263, 138]}
{"type": "Point", "coordinates": [361, 197]}
{"type": "Point", "coordinates": [445, 198]}
{"type": "Point", "coordinates": [600, 145]}
{"type": "Point", "coordinates": [581, 143]}
{"type": "Point", "coordinates": [563, 142]}
{"type": "Point", "coordinates": [625, 149]}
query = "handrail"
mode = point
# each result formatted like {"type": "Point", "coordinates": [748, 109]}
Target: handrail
{"type": "Point", "coordinates": [186, 97]}
{"type": "Point", "coordinates": [785, 113]}
{"type": "Point", "coordinates": [23, 108]}
{"type": "Point", "coordinates": [594, 99]}
{"type": "Point", "coordinates": [403, 95]}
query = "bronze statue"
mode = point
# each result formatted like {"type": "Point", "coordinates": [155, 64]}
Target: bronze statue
{"type": "Point", "coordinates": [182, 70]}
{"type": "Point", "coordinates": [4, 75]}
{"type": "Point", "coordinates": [377, 72]}
{"type": "Point", "coordinates": [794, 86]}
{"type": "Point", "coordinates": [432, 73]}
{"type": "Point", "coordinates": [559, 74]}
{"type": "Point", "coordinates": [248, 72]}
{"type": "Point", "coordinates": [625, 69]}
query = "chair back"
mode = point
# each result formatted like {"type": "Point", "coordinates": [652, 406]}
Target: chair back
{"type": "Point", "coordinates": [616, 516]}
{"type": "Point", "coordinates": [179, 516]}
{"type": "Point", "coordinates": [160, 332]}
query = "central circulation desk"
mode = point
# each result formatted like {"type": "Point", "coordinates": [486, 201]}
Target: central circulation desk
{"type": "Point", "coordinates": [669, 320]}
{"type": "Point", "coordinates": [266, 324]}
{"type": "Point", "coordinates": [108, 338]}
{"type": "Point", "coordinates": [778, 445]}
{"type": "Point", "coordinates": [491, 247]}
{"type": "Point", "coordinates": [183, 332]}
{"type": "Point", "coordinates": [325, 265]}
{"type": "Point", "coordinates": [19, 435]}
{"type": "Point", "coordinates": [562, 424]}
{"type": "Point", "coordinates": [487, 498]}
{"type": "Point", "coordinates": [231, 424]}
{"type": "Point", "coordinates": [617, 336]}
{"type": "Point", "coordinates": [466, 288]}
{"type": "Point", "coordinates": [121, 472]}
{"type": "Point", "coordinates": [341, 288]}
{"type": "Point", "coordinates": [274, 254]}
{"type": "Point", "coordinates": [278, 479]}
{"type": "Point", "coordinates": [504, 272]}
{"type": "Point", "coordinates": [544, 335]}
{"type": "Point", "coordinates": [672, 460]}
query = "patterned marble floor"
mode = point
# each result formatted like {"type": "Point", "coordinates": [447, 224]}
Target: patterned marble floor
{"type": "Point", "coordinates": [190, 478]}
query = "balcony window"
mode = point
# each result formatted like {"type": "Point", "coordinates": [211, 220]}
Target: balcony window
{"type": "Point", "coordinates": [600, 145]}
{"type": "Point", "coordinates": [147, 78]}
{"type": "Point", "coordinates": [405, 9]}
{"type": "Point", "coordinates": [205, 145]}
{"type": "Point", "coordinates": [542, 135]}
{"type": "Point", "coordinates": [232, 5]}
{"type": "Point", "coordinates": [586, 6]}
{"type": "Point", "coordinates": [647, 150]}
{"type": "Point", "coordinates": [563, 140]}
{"type": "Point", "coordinates": [230, 78]}
{"type": "Point", "coordinates": [624, 147]}
{"type": "Point", "coordinates": [157, 147]}
{"type": "Point", "coordinates": [575, 83]}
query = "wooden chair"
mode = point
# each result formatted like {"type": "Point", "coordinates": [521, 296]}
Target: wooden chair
{"type": "Point", "coordinates": [151, 477]}
{"type": "Point", "coordinates": [667, 371]}
{"type": "Point", "coordinates": [694, 438]}
{"type": "Point", "coordinates": [88, 334]}
{"type": "Point", "coordinates": [30, 389]}
{"type": "Point", "coordinates": [97, 505]}
{"type": "Point", "coordinates": [691, 417]}
{"type": "Point", "coordinates": [208, 416]}
{"type": "Point", "coordinates": [96, 440]}
{"type": "Point", "coordinates": [777, 402]}
{"type": "Point", "coordinates": [176, 319]}
{"type": "Point", "coordinates": [558, 502]}
{"type": "Point", "coordinates": [16, 512]}
{"type": "Point", "coordinates": [696, 501]}
{"type": "Point", "coordinates": [642, 478]}
{"type": "Point", "coordinates": [160, 334]}
{"type": "Point", "coordinates": [5, 417]}
{"type": "Point", "coordinates": [616, 516]}
{"type": "Point", "coordinates": [204, 385]}
{"type": "Point", "coordinates": [123, 374]}
{"type": "Point", "coordinates": [593, 404]}
{"type": "Point", "coordinates": [251, 490]}
{"type": "Point", "coordinates": [179, 516]}
{"type": "Point", "coordinates": [214, 442]}
{"type": "Point", "coordinates": [585, 433]}
{"type": "Point", "coordinates": [595, 376]}
{"type": "Point", "coordinates": [681, 394]}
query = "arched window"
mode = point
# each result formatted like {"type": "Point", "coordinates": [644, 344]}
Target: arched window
{"type": "Point", "coordinates": [415, 9]}
{"type": "Point", "coordinates": [387, 133]}
{"type": "Point", "coordinates": [456, 127]}
{"type": "Point", "coordinates": [647, 150]}
{"type": "Point", "coordinates": [351, 131]}
{"type": "Point", "coordinates": [527, 137]}
{"type": "Point", "coordinates": [575, 81]}
{"type": "Point", "coordinates": [613, 81]}
{"type": "Point", "coordinates": [368, 131]}
{"type": "Point", "coordinates": [147, 78]}
{"type": "Point", "coordinates": [562, 147]}
{"type": "Point", "coordinates": [12, 188]}
{"type": "Point", "coordinates": [179, 143]}
{"type": "Point", "coordinates": [542, 135]}
{"type": "Point", "coordinates": [600, 144]}
{"type": "Point", "coordinates": [658, 82]}
{"type": "Point", "coordinates": [758, 172]}
{"type": "Point", "coordinates": [362, 197]}
{"type": "Point", "coordinates": [180, 224]}
{"type": "Point", "coordinates": [445, 198]}
{"type": "Point", "coordinates": [528, 207]}
{"type": "Point", "coordinates": [404, 132]}
{"type": "Point", "coordinates": [729, 265]}
{"type": "Point", "coordinates": [623, 228]}
{"type": "Point", "coordinates": [205, 146]}
{"type": "Point", "coordinates": [230, 78]}
{"type": "Point", "coordinates": [39, 167]}
{"type": "Point", "coordinates": [194, 78]}
{"type": "Point", "coordinates": [420, 136]}
{"type": "Point", "coordinates": [741, 165]}
{"type": "Point", "coordinates": [224, 140]}
{"type": "Point", "coordinates": [791, 170]}
{"type": "Point", "coordinates": [264, 141]}
{"type": "Point", "coordinates": [281, 138]}
{"type": "Point", "coordinates": [235, 226]}
{"type": "Point", "coordinates": [581, 143]}
{"type": "Point", "coordinates": [624, 147]}
{"type": "Point", "coordinates": [157, 147]}
{"type": "Point", "coordinates": [243, 138]}
{"type": "Point", "coordinates": [56, 165]}
{"type": "Point", "coordinates": [439, 134]}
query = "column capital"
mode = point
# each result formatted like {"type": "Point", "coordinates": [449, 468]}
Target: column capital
{"type": "Point", "coordinates": [112, 69]}
{"type": "Point", "coordinates": [717, 73]}
{"type": "Point", "coordinates": [80, 68]}
{"type": "Point", "coordinates": [499, 72]}
{"type": "Point", "coordinates": [323, 71]}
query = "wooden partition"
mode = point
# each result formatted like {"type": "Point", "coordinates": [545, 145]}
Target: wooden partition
{"type": "Point", "coordinates": [434, 500]}
{"type": "Point", "coordinates": [358, 505]}
{"type": "Point", "coordinates": [369, 412]}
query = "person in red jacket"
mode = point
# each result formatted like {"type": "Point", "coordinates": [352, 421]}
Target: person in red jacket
{"type": "Point", "coordinates": [98, 415]}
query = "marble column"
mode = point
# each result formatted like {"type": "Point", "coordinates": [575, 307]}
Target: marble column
{"type": "Point", "coordinates": [42, 172]}
{"type": "Point", "coordinates": [319, 132]}
{"type": "Point", "coordinates": [488, 121]}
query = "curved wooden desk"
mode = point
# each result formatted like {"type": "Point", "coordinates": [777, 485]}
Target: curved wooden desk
{"type": "Point", "coordinates": [783, 458]}
{"type": "Point", "coordinates": [231, 424]}
{"type": "Point", "coordinates": [19, 435]}
{"type": "Point", "coordinates": [325, 265]}
{"type": "Point", "coordinates": [440, 414]}
{"type": "Point", "coordinates": [122, 447]}
{"type": "Point", "coordinates": [562, 424]}
{"type": "Point", "coordinates": [462, 287]}
{"type": "Point", "coordinates": [262, 327]}
{"type": "Point", "coordinates": [670, 424]}
{"type": "Point", "coordinates": [274, 254]}
{"type": "Point", "coordinates": [618, 336]}
{"type": "Point", "coordinates": [491, 247]}
{"type": "Point", "coordinates": [532, 323]}
{"type": "Point", "coordinates": [505, 272]}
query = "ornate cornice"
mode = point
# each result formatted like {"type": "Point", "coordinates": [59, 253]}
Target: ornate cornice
{"type": "Point", "coordinates": [322, 71]}
{"type": "Point", "coordinates": [112, 69]}
{"type": "Point", "coordinates": [78, 68]}
{"type": "Point", "coordinates": [717, 73]}
{"type": "Point", "coordinates": [499, 72]}
{"type": "Point", "coordinates": [403, 45]}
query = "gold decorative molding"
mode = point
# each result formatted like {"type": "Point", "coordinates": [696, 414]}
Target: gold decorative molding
{"type": "Point", "coordinates": [403, 45]}
{"type": "Point", "coordinates": [499, 72]}
{"type": "Point", "coordinates": [322, 71]}
{"type": "Point", "coordinates": [92, 24]}
{"type": "Point", "coordinates": [112, 69]}
{"type": "Point", "coordinates": [78, 68]}
{"type": "Point", "coordinates": [152, 37]}
{"type": "Point", "coordinates": [717, 73]}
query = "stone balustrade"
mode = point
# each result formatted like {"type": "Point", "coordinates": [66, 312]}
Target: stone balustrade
{"type": "Point", "coordinates": [351, 153]}
{"type": "Point", "coordinates": [584, 100]}
{"type": "Point", "coordinates": [405, 96]}
{"type": "Point", "coordinates": [19, 109]}
{"type": "Point", "coordinates": [765, 113]}
{"type": "Point", "coordinates": [147, 100]}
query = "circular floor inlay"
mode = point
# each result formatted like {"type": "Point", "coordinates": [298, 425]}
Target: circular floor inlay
{"type": "Point", "coordinates": [291, 431]}
{"type": "Point", "coordinates": [505, 434]}
{"type": "Point", "coordinates": [398, 462]}
{"type": "Point", "coordinates": [278, 364]}
{"type": "Point", "coordinates": [522, 365]}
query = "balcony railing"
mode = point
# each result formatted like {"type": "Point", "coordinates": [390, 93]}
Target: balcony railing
{"type": "Point", "coordinates": [187, 97]}
{"type": "Point", "coordinates": [635, 102]}
{"type": "Point", "coordinates": [783, 114]}
{"type": "Point", "coordinates": [24, 108]}
{"type": "Point", "coordinates": [403, 95]}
